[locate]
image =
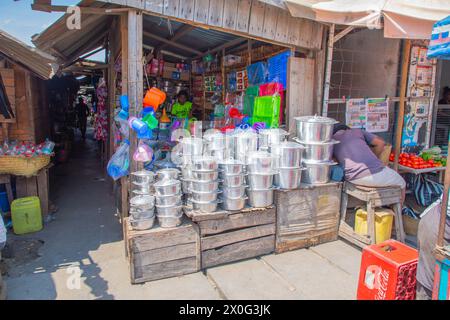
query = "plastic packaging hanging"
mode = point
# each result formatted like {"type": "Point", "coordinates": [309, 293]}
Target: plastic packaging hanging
{"type": "Point", "coordinates": [143, 153]}
{"type": "Point", "coordinates": [119, 163]}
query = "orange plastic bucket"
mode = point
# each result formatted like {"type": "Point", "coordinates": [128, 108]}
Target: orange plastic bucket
{"type": "Point", "coordinates": [154, 98]}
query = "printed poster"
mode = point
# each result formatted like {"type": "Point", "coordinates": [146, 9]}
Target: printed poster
{"type": "Point", "coordinates": [355, 115]}
{"type": "Point", "coordinates": [377, 115]}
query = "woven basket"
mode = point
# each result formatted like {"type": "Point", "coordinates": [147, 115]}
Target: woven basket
{"type": "Point", "coordinates": [20, 166]}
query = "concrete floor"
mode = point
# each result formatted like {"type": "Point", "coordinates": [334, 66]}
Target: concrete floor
{"type": "Point", "coordinates": [85, 239]}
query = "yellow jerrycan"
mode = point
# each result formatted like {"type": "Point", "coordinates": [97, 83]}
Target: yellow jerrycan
{"type": "Point", "coordinates": [26, 215]}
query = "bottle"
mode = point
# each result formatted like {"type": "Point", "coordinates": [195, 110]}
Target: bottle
{"type": "Point", "coordinates": [164, 122]}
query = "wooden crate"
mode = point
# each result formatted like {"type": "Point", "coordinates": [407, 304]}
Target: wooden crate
{"type": "Point", "coordinates": [161, 253]}
{"type": "Point", "coordinates": [307, 216]}
{"type": "Point", "coordinates": [232, 236]}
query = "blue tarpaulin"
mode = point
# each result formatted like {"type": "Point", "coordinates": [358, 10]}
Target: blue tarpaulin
{"type": "Point", "coordinates": [440, 40]}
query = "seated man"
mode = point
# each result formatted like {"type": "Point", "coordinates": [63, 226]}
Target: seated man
{"type": "Point", "coordinates": [426, 242]}
{"type": "Point", "coordinates": [361, 165]}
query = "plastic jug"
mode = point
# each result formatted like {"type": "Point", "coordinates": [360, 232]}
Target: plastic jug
{"type": "Point", "coordinates": [383, 224]}
{"type": "Point", "coordinates": [26, 215]}
{"type": "Point", "coordinates": [150, 120]}
{"type": "Point", "coordinates": [119, 163]}
{"type": "Point", "coordinates": [138, 125]}
{"type": "Point", "coordinates": [154, 98]}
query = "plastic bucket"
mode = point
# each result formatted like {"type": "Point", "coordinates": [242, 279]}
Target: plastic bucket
{"type": "Point", "coordinates": [154, 98]}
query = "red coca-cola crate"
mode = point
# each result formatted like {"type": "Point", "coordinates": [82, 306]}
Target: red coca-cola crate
{"type": "Point", "coordinates": [388, 272]}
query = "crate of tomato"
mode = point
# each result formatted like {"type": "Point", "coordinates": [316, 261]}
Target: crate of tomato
{"type": "Point", "coordinates": [414, 161]}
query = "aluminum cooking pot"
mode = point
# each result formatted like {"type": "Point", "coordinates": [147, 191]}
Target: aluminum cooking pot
{"type": "Point", "coordinates": [206, 207]}
{"type": "Point", "coordinates": [167, 187]}
{"type": "Point", "coordinates": [234, 204]}
{"type": "Point", "coordinates": [170, 222]}
{"type": "Point", "coordinates": [260, 162]}
{"type": "Point", "coordinates": [231, 166]}
{"type": "Point", "coordinates": [260, 180]}
{"type": "Point", "coordinates": [202, 175]}
{"type": "Point", "coordinates": [269, 137]}
{"type": "Point", "coordinates": [246, 142]}
{"type": "Point", "coordinates": [314, 128]}
{"type": "Point", "coordinates": [215, 141]}
{"type": "Point", "coordinates": [205, 196]}
{"type": "Point", "coordinates": [288, 178]}
{"type": "Point", "coordinates": [232, 180]}
{"type": "Point", "coordinates": [168, 174]}
{"type": "Point", "coordinates": [204, 186]}
{"type": "Point", "coordinates": [168, 211]}
{"type": "Point", "coordinates": [169, 200]}
{"type": "Point", "coordinates": [192, 146]}
{"type": "Point", "coordinates": [204, 163]}
{"type": "Point", "coordinates": [318, 151]}
{"type": "Point", "coordinates": [260, 198]}
{"type": "Point", "coordinates": [317, 172]}
{"type": "Point", "coordinates": [287, 154]}
{"type": "Point", "coordinates": [142, 203]}
{"type": "Point", "coordinates": [234, 192]}
{"type": "Point", "coordinates": [143, 177]}
{"type": "Point", "coordinates": [142, 224]}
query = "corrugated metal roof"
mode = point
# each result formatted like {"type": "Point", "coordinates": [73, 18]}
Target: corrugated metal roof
{"type": "Point", "coordinates": [35, 60]}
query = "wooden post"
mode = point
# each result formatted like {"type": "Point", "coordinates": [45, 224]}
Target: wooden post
{"type": "Point", "coordinates": [401, 111]}
{"type": "Point", "coordinates": [326, 89]}
{"type": "Point", "coordinates": [441, 233]}
{"type": "Point", "coordinates": [124, 46]}
{"type": "Point", "coordinates": [135, 75]}
{"type": "Point", "coordinates": [249, 49]}
{"type": "Point", "coordinates": [224, 77]}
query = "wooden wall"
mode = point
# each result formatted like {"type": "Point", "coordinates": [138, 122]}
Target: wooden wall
{"type": "Point", "coordinates": [250, 18]}
{"type": "Point", "coordinates": [29, 96]}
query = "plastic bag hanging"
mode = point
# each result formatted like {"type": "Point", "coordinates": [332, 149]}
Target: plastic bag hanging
{"type": "Point", "coordinates": [119, 163]}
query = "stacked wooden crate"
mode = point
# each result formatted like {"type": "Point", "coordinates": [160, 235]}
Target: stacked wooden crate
{"type": "Point", "coordinates": [232, 236]}
{"type": "Point", "coordinates": [162, 252]}
{"type": "Point", "coordinates": [307, 216]}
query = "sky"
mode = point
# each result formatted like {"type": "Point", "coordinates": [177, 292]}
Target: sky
{"type": "Point", "coordinates": [17, 18]}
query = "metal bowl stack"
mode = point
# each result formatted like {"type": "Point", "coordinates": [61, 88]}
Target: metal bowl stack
{"type": "Point", "coordinates": [233, 184]}
{"type": "Point", "coordinates": [204, 184]}
{"type": "Point", "coordinates": [142, 212]}
{"type": "Point", "coordinates": [288, 157]}
{"type": "Point", "coordinates": [260, 178]}
{"type": "Point", "coordinates": [315, 133]}
{"type": "Point", "coordinates": [168, 199]}
{"type": "Point", "coordinates": [142, 183]}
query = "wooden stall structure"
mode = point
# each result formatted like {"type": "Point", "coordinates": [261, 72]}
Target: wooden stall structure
{"type": "Point", "coordinates": [24, 71]}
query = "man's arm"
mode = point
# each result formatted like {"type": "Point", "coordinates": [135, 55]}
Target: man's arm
{"type": "Point", "coordinates": [378, 145]}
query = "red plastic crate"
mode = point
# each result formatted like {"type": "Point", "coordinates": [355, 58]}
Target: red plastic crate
{"type": "Point", "coordinates": [388, 272]}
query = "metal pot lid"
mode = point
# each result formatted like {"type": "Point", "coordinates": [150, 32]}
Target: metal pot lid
{"type": "Point", "coordinates": [270, 173]}
{"type": "Point", "coordinates": [143, 173]}
{"type": "Point", "coordinates": [206, 202]}
{"type": "Point", "coordinates": [141, 200]}
{"type": "Point", "coordinates": [316, 143]}
{"type": "Point", "coordinates": [292, 168]}
{"type": "Point", "coordinates": [289, 145]}
{"type": "Point", "coordinates": [316, 119]}
{"type": "Point", "coordinates": [166, 183]}
{"type": "Point", "coordinates": [273, 131]}
{"type": "Point", "coordinates": [317, 163]}
{"type": "Point", "coordinates": [203, 171]}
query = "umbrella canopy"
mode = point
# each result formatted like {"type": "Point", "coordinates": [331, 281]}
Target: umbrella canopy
{"type": "Point", "coordinates": [440, 40]}
{"type": "Point", "coordinates": [406, 19]}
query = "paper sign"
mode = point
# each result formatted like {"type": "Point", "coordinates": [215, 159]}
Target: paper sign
{"type": "Point", "coordinates": [377, 115]}
{"type": "Point", "coordinates": [356, 113]}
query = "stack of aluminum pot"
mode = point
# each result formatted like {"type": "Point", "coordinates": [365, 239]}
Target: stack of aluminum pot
{"type": "Point", "coordinates": [315, 133]}
{"type": "Point", "coordinates": [218, 145]}
{"type": "Point", "coordinates": [260, 169]}
{"type": "Point", "coordinates": [168, 198]}
{"type": "Point", "coordinates": [289, 159]}
{"type": "Point", "coordinates": [142, 203]}
{"type": "Point", "coordinates": [232, 184]}
{"type": "Point", "coordinates": [204, 184]}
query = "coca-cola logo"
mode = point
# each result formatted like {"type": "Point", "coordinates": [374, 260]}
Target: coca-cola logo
{"type": "Point", "coordinates": [377, 279]}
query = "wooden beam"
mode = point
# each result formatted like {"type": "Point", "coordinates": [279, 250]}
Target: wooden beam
{"type": "Point", "coordinates": [343, 33]}
{"type": "Point", "coordinates": [87, 10]}
{"type": "Point", "coordinates": [172, 43]}
{"type": "Point", "coordinates": [135, 76]}
{"type": "Point", "coordinates": [401, 105]}
{"type": "Point", "coordinates": [327, 80]}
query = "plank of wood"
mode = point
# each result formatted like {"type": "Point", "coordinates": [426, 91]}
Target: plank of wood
{"type": "Point", "coordinates": [201, 11]}
{"type": "Point", "coordinates": [43, 192]}
{"type": "Point", "coordinates": [229, 14]}
{"type": "Point", "coordinates": [284, 244]}
{"type": "Point", "coordinates": [270, 22]}
{"type": "Point", "coordinates": [200, 216]}
{"type": "Point", "coordinates": [21, 187]}
{"type": "Point", "coordinates": [215, 16]}
{"type": "Point", "coordinates": [237, 221]}
{"type": "Point", "coordinates": [300, 94]}
{"type": "Point", "coordinates": [163, 270]}
{"type": "Point", "coordinates": [305, 28]}
{"type": "Point", "coordinates": [227, 238]}
{"type": "Point", "coordinates": [238, 251]}
{"type": "Point", "coordinates": [257, 18]}
{"type": "Point", "coordinates": [154, 6]}
{"type": "Point", "coordinates": [159, 237]}
{"type": "Point", "coordinates": [294, 30]}
{"type": "Point", "coordinates": [187, 9]}
{"type": "Point", "coordinates": [243, 15]}
{"type": "Point", "coordinates": [171, 8]}
{"type": "Point", "coordinates": [181, 251]}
